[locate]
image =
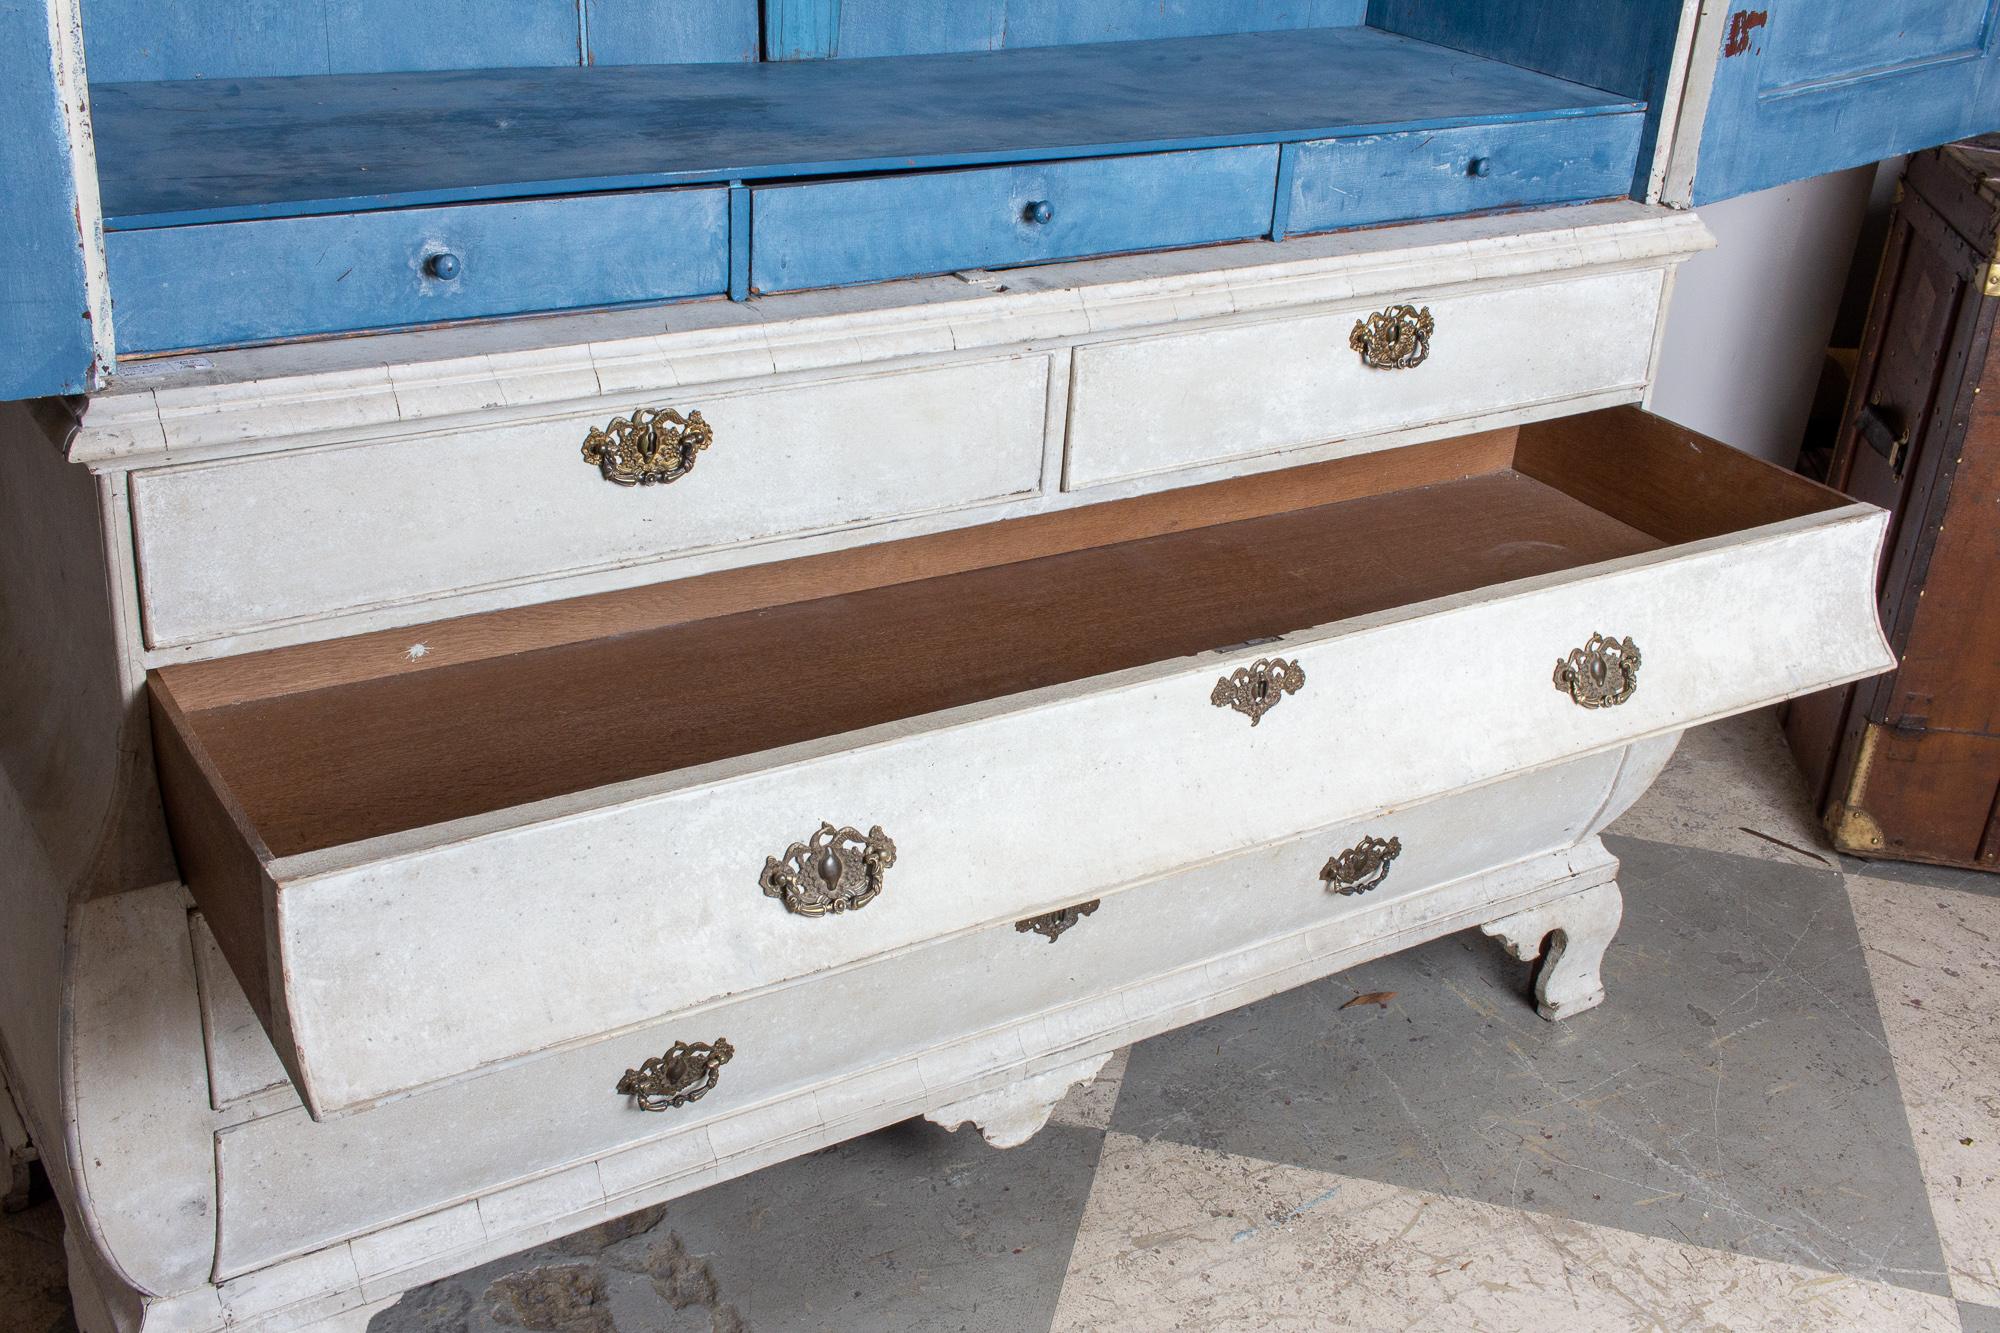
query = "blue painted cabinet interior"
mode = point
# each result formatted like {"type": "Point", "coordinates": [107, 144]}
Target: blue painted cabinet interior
{"type": "Point", "coordinates": [833, 233]}
{"type": "Point", "coordinates": [151, 40]}
{"type": "Point", "coordinates": [1622, 46]}
{"type": "Point", "coordinates": [208, 185]}
{"type": "Point", "coordinates": [244, 282]}
{"type": "Point", "coordinates": [281, 168]}
{"type": "Point", "coordinates": [1808, 86]}
{"type": "Point", "coordinates": [836, 29]}
{"type": "Point", "coordinates": [1367, 179]}
{"type": "Point", "coordinates": [46, 345]}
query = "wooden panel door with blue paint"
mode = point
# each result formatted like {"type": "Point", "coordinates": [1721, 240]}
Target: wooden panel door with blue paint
{"type": "Point", "coordinates": [1808, 86]}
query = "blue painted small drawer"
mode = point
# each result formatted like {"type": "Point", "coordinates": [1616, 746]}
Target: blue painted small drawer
{"type": "Point", "coordinates": [228, 283]}
{"type": "Point", "coordinates": [1359, 181]}
{"type": "Point", "coordinates": [833, 233]}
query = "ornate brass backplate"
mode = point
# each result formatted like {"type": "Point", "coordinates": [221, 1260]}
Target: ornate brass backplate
{"type": "Point", "coordinates": [838, 870]}
{"type": "Point", "coordinates": [1053, 924]}
{"type": "Point", "coordinates": [652, 447]}
{"type": "Point", "coordinates": [686, 1073]}
{"type": "Point", "coordinates": [1601, 674]}
{"type": "Point", "coordinates": [1362, 866]}
{"type": "Point", "coordinates": [1258, 688]}
{"type": "Point", "coordinates": [1398, 338]}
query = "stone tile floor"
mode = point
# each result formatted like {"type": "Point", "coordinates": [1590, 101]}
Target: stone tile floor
{"type": "Point", "coordinates": [1787, 1116]}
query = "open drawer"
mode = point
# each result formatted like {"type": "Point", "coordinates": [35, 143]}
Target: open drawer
{"type": "Point", "coordinates": [555, 823]}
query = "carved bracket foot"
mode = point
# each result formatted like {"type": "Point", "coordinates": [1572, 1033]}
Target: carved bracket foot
{"type": "Point", "coordinates": [1577, 929]}
{"type": "Point", "coordinates": [1008, 1117]}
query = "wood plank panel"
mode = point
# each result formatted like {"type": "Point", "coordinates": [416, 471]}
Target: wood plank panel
{"type": "Point", "coordinates": [1664, 479]}
{"type": "Point", "coordinates": [818, 29]}
{"type": "Point", "coordinates": [669, 32]}
{"type": "Point", "coordinates": [155, 40]}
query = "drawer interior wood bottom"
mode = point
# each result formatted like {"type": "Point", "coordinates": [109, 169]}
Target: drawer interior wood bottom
{"type": "Point", "coordinates": [321, 745]}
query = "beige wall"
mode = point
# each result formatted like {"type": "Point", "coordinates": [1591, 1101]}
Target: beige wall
{"type": "Point", "coordinates": [1750, 319]}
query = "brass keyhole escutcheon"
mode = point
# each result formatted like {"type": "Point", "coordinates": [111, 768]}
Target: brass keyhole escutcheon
{"type": "Point", "coordinates": [1398, 338]}
{"type": "Point", "coordinates": [1258, 688]}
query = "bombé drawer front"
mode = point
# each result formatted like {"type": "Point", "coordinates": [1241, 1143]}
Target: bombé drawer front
{"type": "Point", "coordinates": [1366, 179]}
{"type": "Point", "coordinates": [898, 1035]}
{"type": "Point", "coordinates": [228, 283]}
{"type": "Point", "coordinates": [243, 544]}
{"type": "Point", "coordinates": [835, 233]}
{"type": "Point", "coordinates": [1161, 404]}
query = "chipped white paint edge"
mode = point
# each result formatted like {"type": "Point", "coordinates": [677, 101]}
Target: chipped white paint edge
{"type": "Point", "coordinates": [1578, 929]}
{"type": "Point", "coordinates": [245, 402]}
{"type": "Point", "coordinates": [1672, 103]}
{"type": "Point", "coordinates": [1703, 56]}
{"type": "Point", "coordinates": [72, 86]}
{"type": "Point", "coordinates": [1008, 1117]}
{"type": "Point", "coordinates": [322, 1290]}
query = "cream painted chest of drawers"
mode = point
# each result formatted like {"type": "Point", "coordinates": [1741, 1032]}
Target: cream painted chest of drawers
{"type": "Point", "coordinates": [830, 710]}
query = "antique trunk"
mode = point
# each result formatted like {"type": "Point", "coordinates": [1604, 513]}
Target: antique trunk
{"type": "Point", "coordinates": [1907, 765]}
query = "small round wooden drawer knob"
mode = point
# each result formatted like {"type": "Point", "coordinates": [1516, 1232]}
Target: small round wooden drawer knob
{"type": "Point", "coordinates": [444, 267]}
{"type": "Point", "coordinates": [1479, 166]}
{"type": "Point", "coordinates": [1039, 211]}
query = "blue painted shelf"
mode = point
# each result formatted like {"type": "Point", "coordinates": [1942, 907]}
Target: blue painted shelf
{"type": "Point", "coordinates": [224, 150]}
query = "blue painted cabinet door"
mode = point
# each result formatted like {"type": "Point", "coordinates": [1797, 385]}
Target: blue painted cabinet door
{"type": "Point", "coordinates": [1808, 86]}
{"type": "Point", "coordinates": [47, 342]}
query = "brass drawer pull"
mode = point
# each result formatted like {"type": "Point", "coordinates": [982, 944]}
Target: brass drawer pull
{"type": "Point", "coordinates": [1601, 674]}
{"type": "Point", "coordinates": [1053, 924]}
{"type": "Point", "coordinates": [686, 1073]}
{"type": "Point", "coordinates": [654, 446]}
{"type": "Point", "coordinates": [1258, 688]}
{"type": "Point", "coordinates": [1361, 867]}
{"type": "Point", "coordinates": [837, 871]}
{"type": "Point", "coordinates": [1398, 338]}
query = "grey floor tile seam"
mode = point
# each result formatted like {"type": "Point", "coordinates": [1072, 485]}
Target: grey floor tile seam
{"type": "Point", "coordinates": [1975, 1318]}
{"type": "Point", "coordinates": [1610, 1169]}
{"type": "Point", "coordinates": [1981, 882]}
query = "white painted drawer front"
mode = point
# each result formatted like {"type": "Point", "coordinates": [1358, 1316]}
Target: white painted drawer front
{"type": "Point", "coordinates": [417, 957]}
{"type": "Point", "coordinates": [887, 1039]}
{"type": "Point", "coordinates": [232, 546]}
{"type": "Point", "coordinates": [1158, 404]}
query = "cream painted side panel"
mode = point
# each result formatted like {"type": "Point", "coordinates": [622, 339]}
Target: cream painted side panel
{"type": "Point", "coordinates": [498, 937]}
{"type": "Point", "coordinates": [230, 546]}
{"type": "Point", "coordinates": [1177, 400]}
